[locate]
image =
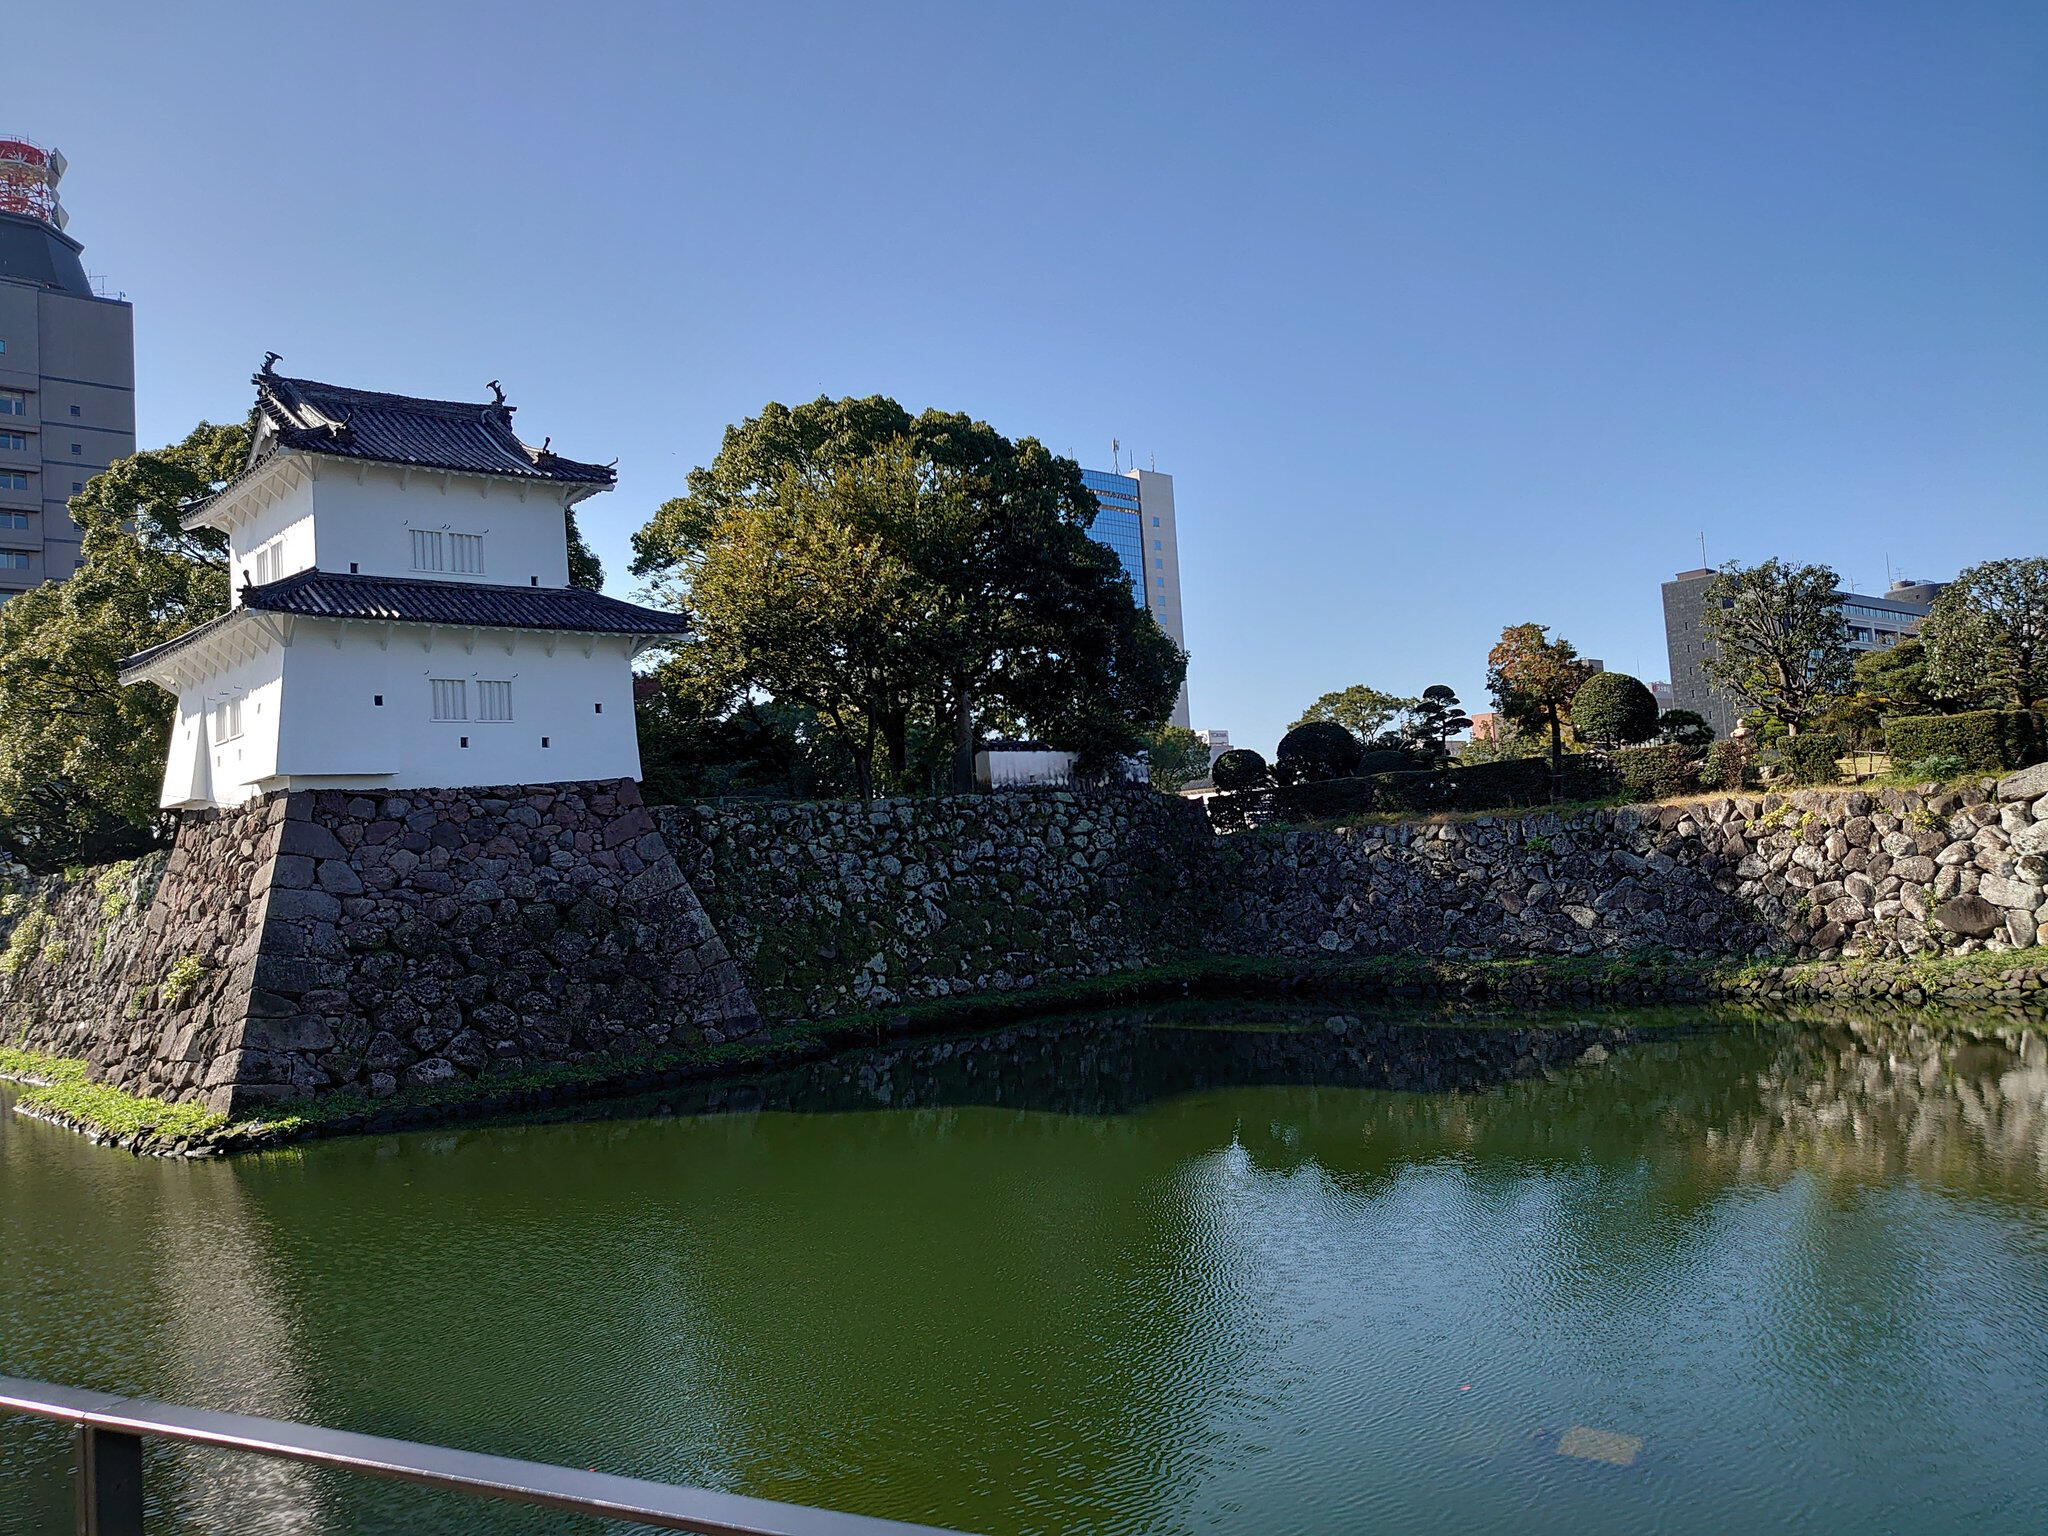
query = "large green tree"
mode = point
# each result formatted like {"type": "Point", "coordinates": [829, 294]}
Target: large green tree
{"type": "Point", "coordinates": [1987, 637]}
{"type": "Point", "coordinates": [1776, 639]}
{"type": "Point", "coordinates": [1000, 607]}
{"type": "Point", "coordinates": [81, 757]}
{"type": "Point", "coordinates": [1364, 712]}
{"type": "Point", "coordinates": [1174, 757]}
{"type": "Point", "coordinates": [1534, 679]}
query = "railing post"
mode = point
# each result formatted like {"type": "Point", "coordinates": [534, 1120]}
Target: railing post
{"type": "Point", "coordinates": [109, 1481]}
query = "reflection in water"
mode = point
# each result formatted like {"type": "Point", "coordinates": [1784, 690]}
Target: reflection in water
{"type": "Point", "coordinates": [1179, 1269]}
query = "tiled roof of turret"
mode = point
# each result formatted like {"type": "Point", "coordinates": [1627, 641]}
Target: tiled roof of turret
{"type": "Point", "coordinates": [461, 435]}
{"type": "Point", "coordinates": [318, 594]}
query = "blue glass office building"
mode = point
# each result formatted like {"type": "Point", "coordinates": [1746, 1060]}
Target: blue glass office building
{"type": "Point", "coordinates": [1134, 518]}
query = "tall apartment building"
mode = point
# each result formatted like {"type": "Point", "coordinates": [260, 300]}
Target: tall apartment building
{"type": "Point", "coordinates": [1134, 518]}
{"type": "Point", "coordinates": [67, 373]}
{"type": "Point", "coordinates": [1875, 623]}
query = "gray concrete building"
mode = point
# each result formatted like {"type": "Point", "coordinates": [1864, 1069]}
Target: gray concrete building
{"type": "Point", "coordinates": [67, 374]}
{"type": "Point", "coordinates": [1875, 623]}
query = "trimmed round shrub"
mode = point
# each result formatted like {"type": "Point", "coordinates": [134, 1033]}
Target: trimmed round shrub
{"type": "Point", "coordinates": [1685, 728]}
{"type": "Point", "coordinates": [1812, 758]}
{"type": "Point", "coordinates": [1614, 709]}
{"type": "Point", "coordinates": [1239, 768]}
{"type": "Point", "coordinates": [1321, 749]}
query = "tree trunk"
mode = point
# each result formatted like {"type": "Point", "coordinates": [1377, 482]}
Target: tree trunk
{"type": "Point", "coordinates": [895, 726]}
{"type": "Point", "coordinates": [1556, 757]}
{"type": "Point", "coordinates": [963, 741]}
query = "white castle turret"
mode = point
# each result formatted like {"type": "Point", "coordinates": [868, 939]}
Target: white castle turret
{"type": "Point", "coordinates": [402, 613]}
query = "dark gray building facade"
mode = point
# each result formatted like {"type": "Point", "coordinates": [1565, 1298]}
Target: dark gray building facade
{"type": "Point", "coordinates": [1875, 623]}
{"type": "Point", "coordinates": [67, 392]}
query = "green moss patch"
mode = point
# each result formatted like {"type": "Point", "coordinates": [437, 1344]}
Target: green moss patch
{"type": "Point", "coordinates": [59, 1086]}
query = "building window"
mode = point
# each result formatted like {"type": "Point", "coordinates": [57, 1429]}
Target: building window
{"type": "Point", "coordinates": [227, 720]}
{"type": "Point", "coordinates": [466, 553]}
{"type": "Point", "coordinates": [1158, 564]}
{"type": "Point", "coordinates": [78, 450]}
{"type": "Point", "coordinates": [426, 550]}
{"type": "Point", "coordinates": [78, 487]}
{"type": "Point", "coordinates": [1155, 522]}
{"type": "Point", "coordinates": [13, 562]}
{"type": "Point", "coordinates": [451, 698]}
{"type": "Point", "coordinates": [13, 480]}
{"type": "Point", "coordinates": [15, 440]}
{"type": "Point", "coordinates": [1157, 545]}
{"type": "Point", "coordinates": [493, 702]}
{"type": "Point", "coordinates": [13, 519]}
{"type": "Point", "coordinates": [13, 403]}
{"type": "Point", "coordinates": [78, 410]}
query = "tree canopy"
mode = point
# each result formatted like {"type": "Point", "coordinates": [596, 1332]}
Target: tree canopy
{"type": "Point", "coordinates": [1435, 718]}
{"type": "Point", "coordinates": [1777, 639]}
{"type": "Point", "coordinates": [1175, 757]}
{"type": "Point", "coordinates": [1364, 712]}
{"type": "Point", "coordinates": [81, 757]}
{"type": "Point", "coordinates": [1533, 680]}
{"type": "Point", "coordinates": [888, 570]}
{"type": "Point", "coordinates": [1614, 710]}
{"type": "Point", "coordinates": [1987, 638]}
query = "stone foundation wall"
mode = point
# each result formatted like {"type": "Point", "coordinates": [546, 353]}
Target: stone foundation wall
{"type": "Point", "coordinates": [321, 941]}
{"type": "Point", "coordinates": [327, 941]}
{"type": "Point", "coordinates": [834, 907]}
{"type": "Point", "coordinates": [419, 937]}
{"type": "Point", "coordinates": [1812, 874]}
{"type": "Point", "coordinates": [144, 969]}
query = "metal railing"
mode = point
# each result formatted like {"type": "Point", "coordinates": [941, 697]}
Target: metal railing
{"type": "Point", "coordinates": [108, 1431]}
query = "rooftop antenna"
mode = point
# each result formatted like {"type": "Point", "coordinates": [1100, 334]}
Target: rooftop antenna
{"type": "Point", "coordinates": [1703, 548]}
{"type": "Point", "coordinates": [1116, 449]}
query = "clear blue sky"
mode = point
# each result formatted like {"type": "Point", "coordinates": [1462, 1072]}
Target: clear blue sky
{"type": "Point", "coordinates": [1443, 316]}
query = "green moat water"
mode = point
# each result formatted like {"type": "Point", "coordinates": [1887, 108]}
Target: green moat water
{"type": "Point", "coordinates": [1182, 1271]}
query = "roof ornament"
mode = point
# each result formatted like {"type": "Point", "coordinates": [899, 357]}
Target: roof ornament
{"type": "Point", "coordinates": [270, 360]}
{"type": "Point", "coordinates": [544, 442]}
{"type": "Point", "coordinates": [342, 428]}
{"type": "Point", "coordinates": [497, 394]}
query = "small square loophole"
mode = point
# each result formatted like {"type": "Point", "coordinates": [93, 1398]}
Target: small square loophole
{"type": "Point", "coordinates": [543, 741]}
{"type": "Point", "coordinates": [465, 741]}
{"type": "Point", "coordinates": [599, 706]}
{"type": "Point", "coordinates": [377, 699]}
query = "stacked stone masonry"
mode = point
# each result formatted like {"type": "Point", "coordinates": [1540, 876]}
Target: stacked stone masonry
{"type": "Point", "coordinates": [332, 941]}
{"type": "Point", "coordinates": [1812, 874]}
{"type": "Point", "coordinates": [835, 907]}
{"type": "Point", "coordinates": [335, 941]}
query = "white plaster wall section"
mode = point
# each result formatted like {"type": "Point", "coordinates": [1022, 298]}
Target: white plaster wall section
{"type": "Point", "coordinates": [569, 701]}
{"type": "Point", "coordinates": [367, 515]}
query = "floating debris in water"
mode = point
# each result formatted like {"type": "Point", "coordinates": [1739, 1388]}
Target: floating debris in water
{"type": "Point", "coordinates": [1600, 1445]}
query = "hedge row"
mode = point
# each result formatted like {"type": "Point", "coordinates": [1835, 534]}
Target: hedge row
{"type": "Point", "coordinates": [1992, 739]}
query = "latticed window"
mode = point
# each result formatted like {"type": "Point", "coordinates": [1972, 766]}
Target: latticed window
{"type": "Point", "coordinates": [426, 550]}
{"type": "Point", "coordinates": [227, 720]}
{"type": "Point", "coordinates": [466, 553]}
{"type": "Point", "coordinates": [451, 698]}
{"type": "Point", "coordinates": [493, 702]}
